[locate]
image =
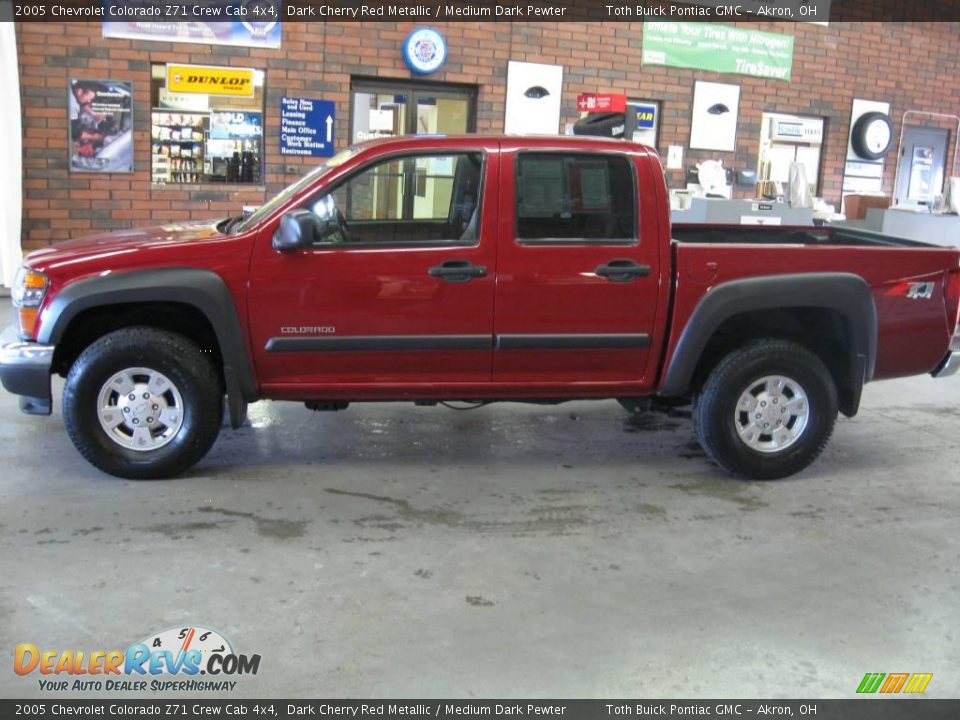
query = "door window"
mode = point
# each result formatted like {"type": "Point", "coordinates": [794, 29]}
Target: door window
{"type": "Point", "coordinates": [786, 139]}
{"type": "Point", "coordinates": [384, 109]}
{"type": "Point", "coordinates": [439, 114]}
{"type": "Point", "coordinates": [377, 115]}
{"type": "Point", "coordinates": [422, 199]}
{"type": "Point", "coordinates": [921, 174]}
{"type": "Point", "coordinates": [575, 198]}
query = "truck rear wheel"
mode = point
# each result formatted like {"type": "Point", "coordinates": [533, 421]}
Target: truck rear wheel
{"type": "Point", "coordinates": [142, 403]}
{"type": "Point", "coordinates": [767, 410]}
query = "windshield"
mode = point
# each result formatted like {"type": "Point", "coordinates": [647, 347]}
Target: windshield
{"type": "Point", "coordinates": [280, 198]}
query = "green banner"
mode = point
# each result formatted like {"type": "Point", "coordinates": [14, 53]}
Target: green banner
{"type": "Point", "coordinates": [720, 48]}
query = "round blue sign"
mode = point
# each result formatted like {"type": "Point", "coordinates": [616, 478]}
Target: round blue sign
{"type": "Point", "coordinates": [424, 50]}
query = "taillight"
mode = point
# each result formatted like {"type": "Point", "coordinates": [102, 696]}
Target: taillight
{"type": "Point", "coordinates": [951, 297]}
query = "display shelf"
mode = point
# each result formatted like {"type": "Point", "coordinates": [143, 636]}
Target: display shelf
{"type": "Point", "coordinates": [200, 157]}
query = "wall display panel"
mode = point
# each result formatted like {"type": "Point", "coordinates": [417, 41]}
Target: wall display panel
{"type": "Point", "coordinates": [101, 126]}
{"type": "Point", "coordinates": [533, 98]}
{"type": "Point", "coordinates": [714, 116]}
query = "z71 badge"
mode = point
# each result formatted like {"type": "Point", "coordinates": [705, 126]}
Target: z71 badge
{"type": "Point", "coordinates": [920, 291]}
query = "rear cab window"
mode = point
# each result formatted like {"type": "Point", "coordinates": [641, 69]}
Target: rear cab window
{"type": "Point", "coordinates": [577, 198]}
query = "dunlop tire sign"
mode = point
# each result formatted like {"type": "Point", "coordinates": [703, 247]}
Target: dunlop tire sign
{"type": "Point", "coordinates": [210, 79]}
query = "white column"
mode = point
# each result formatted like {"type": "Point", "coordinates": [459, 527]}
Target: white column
{"type": "Point", "coordinates": [11, 171]}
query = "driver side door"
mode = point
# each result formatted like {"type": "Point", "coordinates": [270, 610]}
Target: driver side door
{"type": "Point", "coordinates": [398, 292]}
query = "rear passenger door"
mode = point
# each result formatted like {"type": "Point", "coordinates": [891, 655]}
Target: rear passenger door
{"type": "Point", "coordinates": [577, 287]}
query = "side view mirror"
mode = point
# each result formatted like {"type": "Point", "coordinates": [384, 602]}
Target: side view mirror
{"type": "Point", "coordinates": [298, 229]}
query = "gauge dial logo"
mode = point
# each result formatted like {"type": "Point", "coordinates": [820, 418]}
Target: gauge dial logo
{"type": "Point", "coordinates": [181, 640]}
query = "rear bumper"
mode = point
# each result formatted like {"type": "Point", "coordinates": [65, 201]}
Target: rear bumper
{"type": "Point", "coordinates": [25, 371]}
{"type": "Point", "coordinates": [950, 364]}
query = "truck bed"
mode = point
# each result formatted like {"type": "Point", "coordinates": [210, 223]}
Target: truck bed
{"type": "Point", "coordinates": [789, 235]}
{"type": "Point", "coordinates": [912, 331]}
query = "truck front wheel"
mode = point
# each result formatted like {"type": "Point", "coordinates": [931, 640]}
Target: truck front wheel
{"type": "Point", "coordinates": [767, 410]}
{"type": "Point", "coordinates": [142, 403]}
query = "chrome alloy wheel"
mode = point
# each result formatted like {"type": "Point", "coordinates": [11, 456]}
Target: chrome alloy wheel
{"type": "Point", "coordinates": [772, 413]}
{"type": "Point", "coordinates": [140, 409]}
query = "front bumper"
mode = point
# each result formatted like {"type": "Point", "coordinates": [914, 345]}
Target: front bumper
{"type": "Point", "coordinates": [25, 371]}
{"type": "Point", "coordinates": [950, 364]}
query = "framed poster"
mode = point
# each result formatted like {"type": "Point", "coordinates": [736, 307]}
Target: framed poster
{"type": "Point", "coordinates": [713, 124]}
{"type": "Point", "coordinates": [533, 98]}
{"type": "Point", "coordinates": [260, 25]}
{"type": "Point", "coordinates": [101, 126]}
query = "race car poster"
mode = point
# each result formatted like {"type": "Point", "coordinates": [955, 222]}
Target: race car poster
{"type": "Point", "coordinates": [101, 126]}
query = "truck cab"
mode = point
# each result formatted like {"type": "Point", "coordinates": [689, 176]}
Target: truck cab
{"type": "Point", "coordinates": [472, 266]}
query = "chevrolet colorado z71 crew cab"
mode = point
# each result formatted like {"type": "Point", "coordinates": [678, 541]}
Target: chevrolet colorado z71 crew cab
{"type": "Point", "coordinates": [475, 268]}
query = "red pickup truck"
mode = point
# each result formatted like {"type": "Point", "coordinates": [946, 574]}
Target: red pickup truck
{"type": "Point", "coordinates": [475, 268]}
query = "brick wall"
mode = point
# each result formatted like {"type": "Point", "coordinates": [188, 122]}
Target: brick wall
{"type": "Point", "coordinates": [912, 66]}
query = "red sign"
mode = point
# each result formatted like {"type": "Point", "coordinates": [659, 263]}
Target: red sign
{"type": "Point", "coordinates": [601, 102]}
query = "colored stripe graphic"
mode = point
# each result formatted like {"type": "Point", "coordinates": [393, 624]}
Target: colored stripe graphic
{"type": "Point", "coordinates": [918, 683]}
{"type": "Point", "coordinates": [895, 682]}
{"type": "Point", "coordinates": [870, 682]}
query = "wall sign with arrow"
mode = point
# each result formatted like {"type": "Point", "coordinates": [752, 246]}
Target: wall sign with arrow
{"type": "Point", "coordinates": [306, 127]}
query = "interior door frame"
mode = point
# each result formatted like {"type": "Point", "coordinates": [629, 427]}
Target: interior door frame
{"type": "Point", "coordinates": [411, 89]}
{"type": "Point", "coordinates": [901, 190]}
{"type": "Point", "coordinates": [918, 117]}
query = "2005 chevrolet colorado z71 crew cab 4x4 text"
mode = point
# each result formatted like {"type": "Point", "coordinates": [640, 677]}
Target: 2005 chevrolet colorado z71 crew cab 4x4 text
{"type": "Point", "coordinates": [475, 268]}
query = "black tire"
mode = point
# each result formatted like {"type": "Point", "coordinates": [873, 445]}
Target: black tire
{"type": "Point", "coordinates": [177, 358]}
{"type": "Point", "coordinates": [858, 137]}
{"type": "Point", "coordinates": [715, 410]}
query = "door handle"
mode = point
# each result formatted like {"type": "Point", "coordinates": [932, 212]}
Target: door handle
{"type": "Point", "coordinates": [622, 270]}
{"type": "Point", "coordinates": [457, 271]}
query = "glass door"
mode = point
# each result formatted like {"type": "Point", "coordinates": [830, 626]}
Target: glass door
{"type": "Point", "coordinates": [436, 113]}
{"type": "Point", "coordinates": [378, 114]}
{"type": "Point", "coordinates": [923, 155]}
{"type": "Point", "coordinates": [387, 109]}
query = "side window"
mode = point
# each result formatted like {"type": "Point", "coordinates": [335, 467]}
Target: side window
{"type": "Point", "coordinates": [574, 198]}
{"type": "Point", "coordinates": [422, 199]}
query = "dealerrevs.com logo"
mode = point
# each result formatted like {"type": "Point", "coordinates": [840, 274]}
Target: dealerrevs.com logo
{"type": "Point", "coordinates": [170, 660]}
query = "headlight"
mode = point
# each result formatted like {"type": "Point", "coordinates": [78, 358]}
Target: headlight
{"type": "Point", "coordinates": [28, 291]}
{"type": "Point", "coordinates": [29, 288]}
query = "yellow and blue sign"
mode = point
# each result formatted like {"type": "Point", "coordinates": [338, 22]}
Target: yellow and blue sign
{"type": "Point", "coordinates": [210, 79]}
{"type": "Point", "coordinates": [646, 116]}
